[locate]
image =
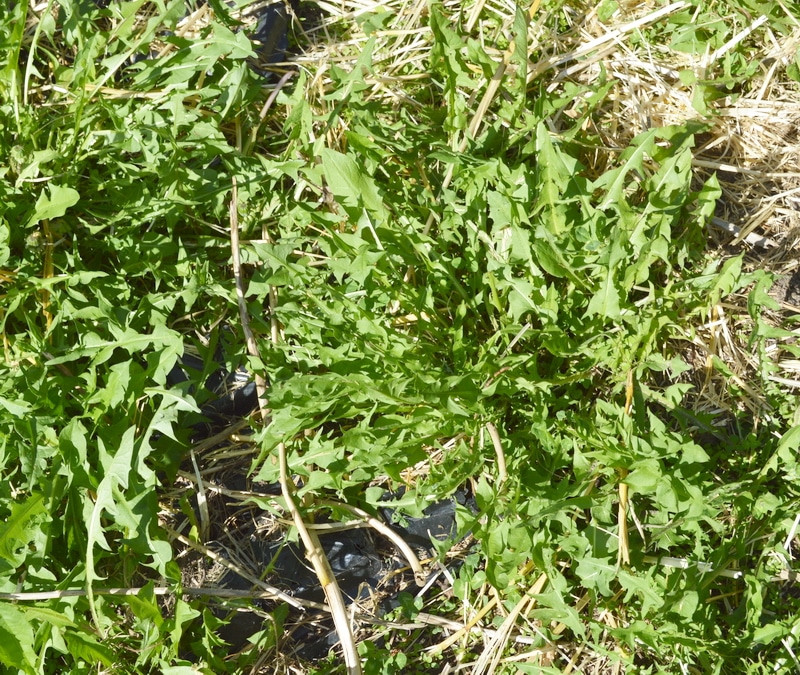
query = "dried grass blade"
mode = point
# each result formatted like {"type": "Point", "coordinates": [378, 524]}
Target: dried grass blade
{"type": "Point", "coordinates": [322, 568]}
{"type": "Point", "coordinates": [490, 657]}
{"type": "Point", "coordinates": [502, 473]}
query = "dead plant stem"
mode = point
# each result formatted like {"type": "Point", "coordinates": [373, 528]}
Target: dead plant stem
{"type": "Point", "coordinates": [322, 568]}
{"type": "Point", "coordinates": [252, 347]}
{"type": "Point", "coordinates": [313, 547]}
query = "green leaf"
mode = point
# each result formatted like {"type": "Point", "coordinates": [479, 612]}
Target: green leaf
{"type": "Point", "coordinates": [554, 169]}
{"type": "Point", "coordinates": [145, 606]}
{"type": "Point", "coordinates": [558, 610]}
{"type": "Point", "coordinates": [53, 205]}
{"type": "Point", "coordinates": [10, 76]}
{"type": "Point", "coordinates": [596, 574]}
{"type": "Point", "coordinates": [117, 471]}
{"type": "Point", "coordinates": [520, 55]}
{"type": "Point", "coordinates": [642, 587]}
{"type": "Point", "coordinates": [692, 453]}
{"type": "Point", "coordinates": [787, 450]}
{"type": "Point", "coordinates": [726, 281]}
{"type": "Point", "coordinates": [86, 647]}
{"type": "Point", "coordinates": [686, 604]}
{"type": "Point", "coordinates": [605, 302]}
{"type": "Point", "coordinates": [645, 476]}
{"type": "Point", "coordinates": [16, 639]}
{"type": "Point", "coordinates": [615, 181]}
{"type": "Point", "coordinates": [21, 527]}
{"type": "Point", "coordinates": [128, 339]}
{"type": "Point", "coordinates": [17, 408]}
{"type": "Point", "coordinates": [759, 298]}
{"type": "Point", "coordinates": [549, 256]}
{"type": "Point", "coordinates": [48, 616]}
{"type": "Point", "coordinates": [183, 615]}
{"type": "Point", "coordinates": [771, 632]}
{"type": "Point", "coordinates": [348, 182]}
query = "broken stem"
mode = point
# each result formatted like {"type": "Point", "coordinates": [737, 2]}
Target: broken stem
{"type": "Point", "coordinates": [322, 568]}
